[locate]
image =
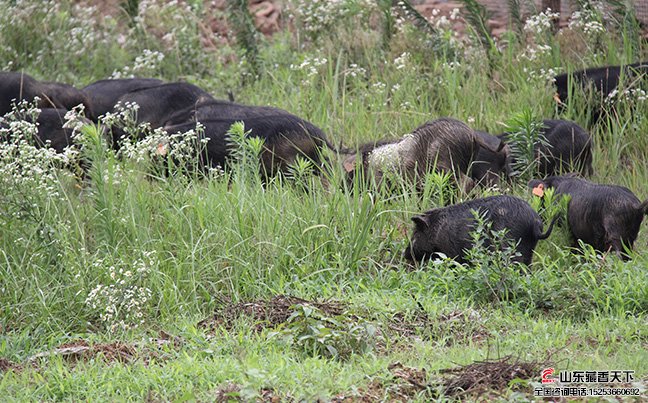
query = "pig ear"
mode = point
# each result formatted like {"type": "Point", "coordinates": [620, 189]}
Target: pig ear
{"type": "Point", "coordinates": [203, 99]}
{"type": "Point", "coordinates": [349, 164]}
{"type": "Point", "coordinates": [490, 143]}
{"type": "Point", "coordinates": [538, 187]}
{"type": "Point", "coordinates": [420, 221]}
{"type": "Point", "coordinates": [535, 182]}
{"type": "Point", "coordinates": [644, 207]}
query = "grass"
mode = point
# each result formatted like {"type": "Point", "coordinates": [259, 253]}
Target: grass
{"type": "Point", "coordinates": [199, 244]}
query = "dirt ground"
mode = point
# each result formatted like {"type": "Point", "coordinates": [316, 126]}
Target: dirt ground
{"type": "Point", "coordinates": [267, 13]}
{"type": "Point", "coordinates": [269, 18]}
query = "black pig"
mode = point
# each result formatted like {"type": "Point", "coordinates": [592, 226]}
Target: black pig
{"type": "Point", "coordinates": [51, 132]}
{"type": "Point", "coordinates": [446, 144]}
{"type": "Point", "coordinates": [447, 230]}
{"type": "Point", "coordinates": [18, 86]}
{"type": "Point", "coordinates": [104, 94]}
{"type": "Point", "coordinates": [489, 166]}
{"type": "Point", "coordinates": [65, 96]}
{"type": "Point", "coordinates": [608, 217]}
{"type": "Point", "coordinates": [604, 80]}
{"type": "Point", "coordinates": [569, 148]}
{"type": "Point", "coordinates": [50, 129]}
{"type": "Point", "coordinates": [157, 103]}
{"type": "Point", "coordinates": [219, 109]}
{"type": "Point", "coordinates": [285, 137]}
{"type": "Point", "coordinates": [566, 147]}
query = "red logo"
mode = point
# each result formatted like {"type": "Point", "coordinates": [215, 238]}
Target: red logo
{"type": "Point", "coordinates": [545, 376]}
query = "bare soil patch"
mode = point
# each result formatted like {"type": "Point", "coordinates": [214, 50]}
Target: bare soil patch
{"type": "Point", "coordinates": [460, 325]}
{"type": "Point", "coordinates": [81, 350]}
{"type": "Point", "coordinates": [482, 377]}
{"type": "Point", "coordinates": [6, 365]}
{"type": "Point", "coordinates": [455, 326]}
{"type": "Point", "coordinates": [269, 15]}
{"type": "Point", "coordinates": [267, 313]}
{"type": "Point", "coordinates": [232, 393]}
{"type": "Point", "coordinates": [405, 384]}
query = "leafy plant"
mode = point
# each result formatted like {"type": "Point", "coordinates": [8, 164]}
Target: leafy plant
{"type": "Point", "coordinates": [388, 21]}
{"type": "Point", "coordinates": [410, 12]}
{"type": "Point", "coordinates": [315, 334]}
{"type": "Point", "coordinates": [551, 204]}
{"type": "Point", "coordinates": [477, 16]}
{"type": "Point", "coordinates": [626, 21]}
{"type": "Point", "coordinates": [516, 16]}
{"type": "Point", "coordinates": [104, 172]}
{"type": "Point", "coordinates": [300, 172]}
{"type": "Point", "coordinates": [493, 274]}
{"type": "Point", "coordinates": [246, 34]}
{"type": "Point", "coordinates": [131, 7]}
{"type": "Point", "coordinates": [32, 171]}
{"type": "Point", "coordinates": [440, 188]}
{"type": "Point", "coordinates": [525, 137]}
{"type": "Point", "coordinates": [245, 152]}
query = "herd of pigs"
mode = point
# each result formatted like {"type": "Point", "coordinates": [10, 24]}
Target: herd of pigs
{"type": "Point", "coordinates": [607, 217]}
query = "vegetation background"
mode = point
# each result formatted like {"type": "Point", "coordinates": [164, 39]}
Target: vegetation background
{"type": "Point", "coordinates": [186, 287]}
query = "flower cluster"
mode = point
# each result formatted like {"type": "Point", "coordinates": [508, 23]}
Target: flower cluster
{"type": "Point", "coordinates": [535, 52]}
{"type": "Point", "coordinates": [355, 71]}
{"type": "Point", "coordinates": [379, 87]}
{"type": "Point", "coordinates": [542, 74]}
{"type": "Point", "coordinates": [443, 22]}
{"type": "Point", "coordinates": [29, 168]}
{"type": "Point", "coordinates": [87, 30]}
{"type": "Point", "coordinates": [174, 27]}
{"type": "Point", "coordinates": [125, 118]}
{"type": "Point", "coordinates": [631, 95]}
{"type": "Point", "coordinates": [183, 148]}
{"type": "Point", "coordinates": [142, 144]}
{"type": "Point", "coordinates": [121, 303]}
{"type": "Point", "coordinates": [75, 118]}
{"type": "Point", "coordinates": [399, 21]}
{"type": "Point", "coordinates": [149, 11]}
{"type": "Point", "coordinates": [319, 16]}
{"type": "Point", "coordinates": [309, 65]}
{"type": "Point", "coordinates": [144, 65]}
{"type": "Point", "coordinates": [588, 21]}
{"type": "Point", "coordinates": [401, 61]}
{"type": "Point", "coordinates": [452, 66]}
{"type": "Point", "coordinates": [540, 24]}
{"type": "Point", "coordinates": [72, 30]}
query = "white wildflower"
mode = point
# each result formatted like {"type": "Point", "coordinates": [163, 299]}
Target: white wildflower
{"type": "Point", "coordinates": [588, 21]}
{"type": "Point", "coordinates": [401, 61]}
{"type": "Point", "coordinates": [355, 71]}
{"type": "Point", "coordinates": [122, 303]}
{"type": "Point", "coordinates": [541, 23]}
